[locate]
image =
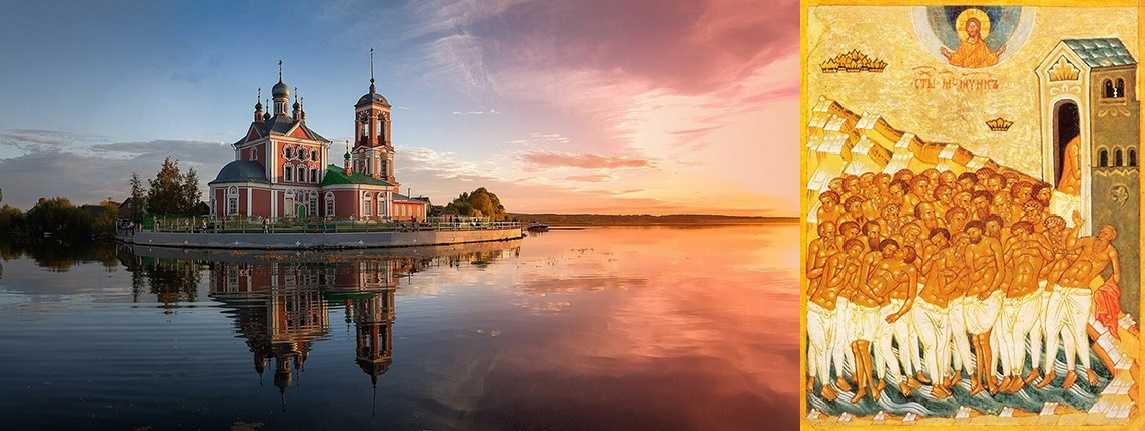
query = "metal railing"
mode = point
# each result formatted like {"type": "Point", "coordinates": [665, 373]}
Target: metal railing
{"type": "Point", "coordinates": [310, 225]}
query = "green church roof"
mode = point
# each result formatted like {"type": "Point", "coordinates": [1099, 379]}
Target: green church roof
{"type": "Point", "coordinates": [337, 175]}
{"type": "Point", "coordinates": [1101, 52]}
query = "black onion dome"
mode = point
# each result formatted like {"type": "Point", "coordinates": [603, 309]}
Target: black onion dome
{"type": "Point", "coordinates": [280, 90]}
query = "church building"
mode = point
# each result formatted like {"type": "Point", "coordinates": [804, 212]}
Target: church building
{"type": "Point", "coordinates": [281, 167]}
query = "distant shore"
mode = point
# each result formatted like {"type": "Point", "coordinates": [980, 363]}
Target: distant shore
{"type": "Point", "coordinates": [649, 220]}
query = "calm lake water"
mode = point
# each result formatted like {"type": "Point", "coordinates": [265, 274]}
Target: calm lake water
{"type": "Point", "coordinates": [601, 328]}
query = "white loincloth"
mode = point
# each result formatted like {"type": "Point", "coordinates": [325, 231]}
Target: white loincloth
{"type": "Point", "coordinates": [1017, 320]}
{"type": "Point", "coordinates": [981, 314]}
{"type": "Point", "coordinates": [958, 334]}
{"type": "Point", "coordinates": [820, 334]}
{"type": "Point", "coordinates": [931, 324]}
{"type": "Point", "coordinates": [1067, 315]}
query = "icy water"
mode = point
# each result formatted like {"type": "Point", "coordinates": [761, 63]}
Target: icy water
{"type": "Point", "coordinates": [602, 328]}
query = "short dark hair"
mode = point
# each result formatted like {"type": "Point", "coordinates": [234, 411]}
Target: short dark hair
{"type": "Point", "coordinates": [1023, 226]}
{"type": "Point", "coordinates": [887, 242]}
{"type": "Point", "coordinates": [976, 224]}
{"type": "Point", "coordinates": [846, 224]}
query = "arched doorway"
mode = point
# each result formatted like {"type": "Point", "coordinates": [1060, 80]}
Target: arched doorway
{"type": "Point", "coordinates": [1067, 126]}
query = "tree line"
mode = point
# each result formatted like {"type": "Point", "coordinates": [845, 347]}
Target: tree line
{"type": "Point", "coordinates": [479, 203]}
{"type": "Point", "coordinates": [171, 192]}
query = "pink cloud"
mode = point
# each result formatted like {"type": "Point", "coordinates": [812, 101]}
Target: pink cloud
{"type": "Point", "coordinates": [587, 178]}
{"type": "Point", "coordinates": [582, 160]}
{"type": "Point", "coordinates": [688, 46]}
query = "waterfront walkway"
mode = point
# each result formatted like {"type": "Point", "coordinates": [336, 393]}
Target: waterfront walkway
{"type": "Point", "coordinates": [313, 234]}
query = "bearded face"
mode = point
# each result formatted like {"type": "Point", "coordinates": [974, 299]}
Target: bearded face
{"type": "Point", "coordinates": [973, 28]}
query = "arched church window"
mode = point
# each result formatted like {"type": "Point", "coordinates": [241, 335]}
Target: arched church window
{"type": "Point", "coordinates": [312, 204]}
{"type": "Point", "coordinates": [232, 200]}
{"type": "Point", "coordinates": [384, 170]}
{"type": "Point", "coordinates": [313, 175]}
{"type": "Point", "coordinates": [1132, 157]}
{"type": "Point", "coordinates": [1117, 159]}
{"type": "Point", "coordinates": [367, 207]}
{"type": "Point", "coordinates": [287, 173]}
{"type": "Point", "coordinates": [1103, 157]}
{"type": "Point", "coordinates": [301, 173]}
{"type": "Point", "coordinates": [1120, 90]}
{"type": "Point", "coordinates": [1108, 88]}
{"type": "Point", "coordinates": [314, 155]}
{"type": "Point", "coordinates": [329, 204]}
{"type": "Point", "coordinates": [383, 209]}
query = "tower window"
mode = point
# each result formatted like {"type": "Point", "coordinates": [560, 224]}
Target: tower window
{"type": "Point", "coordinates": [1119, 91]}
{"type": "Point", "coordinates": [1103, 157]}
{"type": "Point", "coordinates": [1108, 90]}
{"type": "Point", "coordinates": [1133, 157]}
{"type": "Point", "coordinates": [1117, 159]}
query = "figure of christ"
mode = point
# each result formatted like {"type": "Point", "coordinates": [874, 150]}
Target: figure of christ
{"type": "Point", "coordinates": [841, 273]}
{"type": "Point", "coordinates": [973, 52]}
{"type": "Point", "coordinates": [899, 328]}
{"type": "Point", "coordinates": [983, 264]}
{"type": "Point", "coordinates": [1023, 260]}
{"type": "Point", "coordinates": [1071, 303]}
{"type": "Point", "coordinates": [866, 320]}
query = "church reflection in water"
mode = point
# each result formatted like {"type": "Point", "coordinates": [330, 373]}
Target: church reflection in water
{"type": "Point", "coordinates": [281, 302]}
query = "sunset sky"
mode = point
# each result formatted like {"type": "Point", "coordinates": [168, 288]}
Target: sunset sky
{"type": "Point", "coordinates": [586, 106]}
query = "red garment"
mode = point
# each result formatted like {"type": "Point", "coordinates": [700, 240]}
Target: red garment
{"type": "Point", "coordinates": [1108, 306]}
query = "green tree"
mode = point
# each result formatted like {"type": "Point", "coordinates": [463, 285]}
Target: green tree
{"type": "Point", "coordinates": [59, 218]}
{"type": "Point", "coordinates": [138, 197]}
{"type": "Point", "coordinates": [166, 195]}
{"type": "Point", "coordinates": [191, 192]}
{"type": "Point", "coordinates": [480, 203]}
{"type": "Point", "coordinates": [11, 222]}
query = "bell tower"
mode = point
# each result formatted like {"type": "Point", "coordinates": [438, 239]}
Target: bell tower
{"type": "Point", "coordinates": [373, 150]}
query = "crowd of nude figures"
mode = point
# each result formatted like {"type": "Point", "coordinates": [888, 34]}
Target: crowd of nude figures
{"type": "Point", "coordinates": [956, 271]}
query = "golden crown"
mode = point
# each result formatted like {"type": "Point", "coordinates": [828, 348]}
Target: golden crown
{"type": "Point", "coordinates": [853, 61]}
{"type": "Point", "coordinates": [999, 124]}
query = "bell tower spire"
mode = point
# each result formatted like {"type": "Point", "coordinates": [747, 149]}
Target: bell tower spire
{"type": "Point", "coordinates": [372, 88]}
{"type": "Point", "coordinates": [281, 93]}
